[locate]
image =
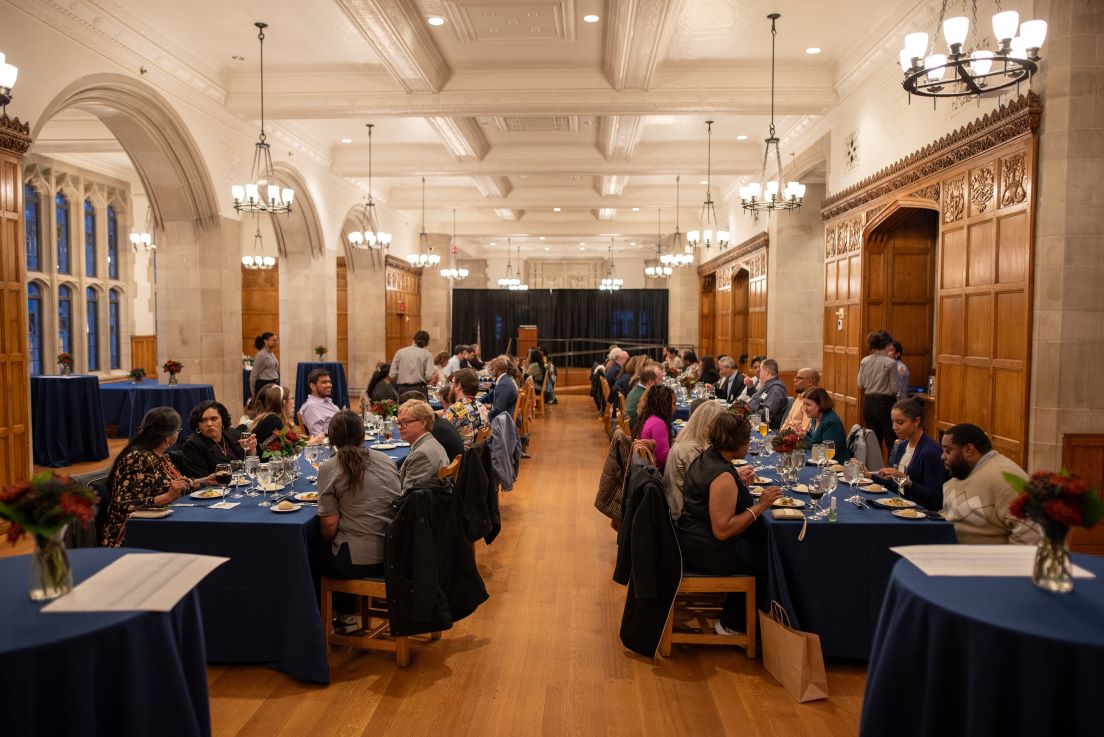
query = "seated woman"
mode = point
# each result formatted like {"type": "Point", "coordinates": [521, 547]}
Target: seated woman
{"type": "Point", "coordinates": [672, 364]}
{"type": "Point", "coordinates": [144, 476]}
{"type": "Point", "coordinates": [691, 369]}
{"type": "Point", "coordinates": [273, 412]}
{"type": "Point", "coordinates": [653, 421]}
{"type": "Point", "coordinates": [709, 373]}
{"type": "Point", "coordinates": [380, 388]}
{"type": "Point", "coordinates": [691, 441]}
{"type": "Point", "coordinates": [356, 490]}
{"type": "Point", "coordinates": [212, 441]}
{"type": "Point", "coordinates": [535, 368]}
{"type": "Point", "coordinates": [466, 415]}
{"type": "Point", "coordinates": [825, 424]}
{"type": "Point", "coordinates": [717, 531]}
{"type": "Point", "coordinates": [916, 462]}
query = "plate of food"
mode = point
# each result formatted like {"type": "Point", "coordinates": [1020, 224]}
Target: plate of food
{"type": "Point", "coordinates": [787, 501]}
{"type": "Point", "coordinates": [382, 446]}
{"type": "Point", "coordinates": [836, 467]}
{"type": "Point", "coordinates": [241, 481]}
{"type": "Point", "coordinates": [208, 494]}
{"type": "Point", "coordinates": [306, 496]}
{"type": "Point", "coordinates": [286, 506]}
{"type": "Point", "coordinates": [756, 490]}
{"type": "Point", "coordinates": [873, 489]}
{"type": "Point", "coordinates": [800, 488]}
{"type": "Point", "coordinates": [909, 514]}
{"type": "Point", "coordinates": [271, 487]}
{"type": "Point", "coordinates": [401, 444]}
{"type": "Point", "coordinates": [739, 462]}
{"type": "Point", "coordinates": [761, 480]}
{"type": "Point", "coordinates": [895, 502]}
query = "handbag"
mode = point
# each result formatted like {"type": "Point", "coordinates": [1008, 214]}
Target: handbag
{"type": "Point", "coordinates": [793, 657]}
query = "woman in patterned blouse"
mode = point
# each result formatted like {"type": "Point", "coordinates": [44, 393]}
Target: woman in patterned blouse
{"type": "Point", "coordinates": [143, 475]}
{"type": "Point", "coordinates": [467, 415]}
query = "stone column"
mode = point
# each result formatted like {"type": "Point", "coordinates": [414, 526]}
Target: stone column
{"type": "Point", "coordinates": [367, 329]}
{"type": "Point", "coordinates": [437, 298]}
{"type": "Point", "coordinates": [683, 306]}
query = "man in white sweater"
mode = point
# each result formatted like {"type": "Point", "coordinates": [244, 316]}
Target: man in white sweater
{"type": "Point", "coordinates": [977, 497]}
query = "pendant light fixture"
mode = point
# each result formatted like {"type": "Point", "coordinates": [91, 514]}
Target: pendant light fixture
{"type": "Point", "coordinates": [8, 75]}
{"type": "Point", "coordinates": [258, 260]}
{"type": "Point", "coordinates": [710, 232]}
{"type": "Point", "coordinates": [452, 273]}
{"type": "Point", "coordinates": [765, 195]}
{"type": "Point", "coordinates": [511, 282]}
{"type": "Point", "coordinates": [144, 240]}
{"type": "Point", "coordinates": [371, 236]}
{"type": "Point", "coordinates": [610, 283]}
{"type": "Point", "coordinates": [263, 194]}
{"type": "Point", "coordinates": [658, 270]}
{"type": "Point", "coordinates": [681, 253]}
{"type": "Point", "coordinates": [425, 255]}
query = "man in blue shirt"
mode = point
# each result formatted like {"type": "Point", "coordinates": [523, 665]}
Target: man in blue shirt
{"type": "Point", "coordinates": [503, 395]}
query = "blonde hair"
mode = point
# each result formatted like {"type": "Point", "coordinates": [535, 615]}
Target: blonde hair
{"type": "Point", "coordinates": [419, 410]}
{"type": "Point", "coordinates": [700, 424]}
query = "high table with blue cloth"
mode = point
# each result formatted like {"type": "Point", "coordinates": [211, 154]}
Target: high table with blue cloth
{"type": "Point", "coordinates": [126, 674]}
{"type": "Point", "coordinates": [984, 656]}
{"type": "Point", "coordinates": [340, 395]}
{"type": "Point", "coordinates": [68, 420]}
{"type": "Point", "coordinates": [261, 606]}
{"type": "Point", "coordinates": [126, 403]}
{"type": "Point", "coordinates": [832, 582]}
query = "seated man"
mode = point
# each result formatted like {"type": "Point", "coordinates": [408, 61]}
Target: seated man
{"type": "Point", "coordinates": [319, 409]}
{"type": "Point", "coordinates": [731, 383]}
{"type": "Point", "coordinates": [441, 429]}
{"type": "Point", "coordinates": [426, 457]}
{"type": "Point", "coordinates": [770, 398]}
{"type": "Point", "coordinates": [805, 381]}
{"type": "Point", "coordinates": [977, 497]}
{"type": "Point", "coordinates": [503, 395]}
{"type": "Point", "coordinates": [650, 375]}
{"type": "Point", "coordinates": [458, 361]}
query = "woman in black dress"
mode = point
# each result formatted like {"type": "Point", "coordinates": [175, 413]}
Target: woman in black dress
{"type": "Point", "coordinates": [212, 440]}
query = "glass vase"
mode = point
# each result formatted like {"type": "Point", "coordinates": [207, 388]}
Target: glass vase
{"type": "Point", "coordinates": [50, 575]}
{"type": "Point", "coordinates": [1053, 569]}
{"type": "Point", "coordinates": [173, 381]}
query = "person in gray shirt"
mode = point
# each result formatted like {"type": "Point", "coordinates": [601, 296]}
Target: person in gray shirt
{"type": "Point", "coordinates": [412, 367]}
{"type": "Point", "coordinates": [426, 457]}
{"type": "Point", "coordinates": [879, 382]}
{"type": "Point", "coordinates": [266, 369]}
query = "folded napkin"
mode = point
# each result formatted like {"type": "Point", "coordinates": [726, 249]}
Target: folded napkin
{"type": "Point", "coordinates": [785, 513]}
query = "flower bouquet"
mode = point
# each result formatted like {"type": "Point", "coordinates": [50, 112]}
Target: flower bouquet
{"type": "Point", "coordinates": [137, 374]}
{"type": "Point", "coordinates": [65, 361]}
{"type": "Point", "coordinates": [741, 408]}
{"type": "Point", "coordinates": [320, 351]}
{"type": "Point", "coordinates": [785, 441]}
{"type": "Point", "coordinates": [44, 507]}
{"type": "Point", "coordinates": [1055, 502]}
{"type": "Point", "coordinates": [172, 368]}
{"type": "Point", "coordinates": [385, 409]}
{"type": "Point", "coordinates": [284, 442]}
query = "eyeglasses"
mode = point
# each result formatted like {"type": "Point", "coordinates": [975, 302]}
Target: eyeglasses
{"type": "Point", "coordinates": [404, 423]}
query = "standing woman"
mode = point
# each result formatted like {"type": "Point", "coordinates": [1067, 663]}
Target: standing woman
{"type": "Point", "coordinates": [266, 369]}
{"type": "Point", "coordinates": [916, 463]}
{"type": "Point", "coordinates": [879, 382]}
{"type": "Point", "coordinates": [653, 422]}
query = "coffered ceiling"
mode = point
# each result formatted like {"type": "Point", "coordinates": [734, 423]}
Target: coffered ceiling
{"type": "Point", "coordinates": [510, 108]}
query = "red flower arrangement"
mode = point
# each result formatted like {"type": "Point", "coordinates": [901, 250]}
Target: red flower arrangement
{"type": "Point", "coordinates": [741, 409]}
{"type": "Point", "coordinates": [1056, 501]}
{"type": "Point", "coordinates": [284, 442]}
{"type": "Point", "coordinates": [65, 359]}
{"type": "Point", "coordinates": [45, 505]}
{"type": "Point", "coordinates": [172, 368]}
{"type": "Point", "coordinates": [785, 441]}
{"type": "Point", "coordinates": [385, 409]}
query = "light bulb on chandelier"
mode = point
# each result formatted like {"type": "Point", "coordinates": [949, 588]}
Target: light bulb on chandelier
{"type": "Point", "coordinates": [710, 232]}
{"type": "Point", "coordinates": [425, 256]}
{"type": "Point", "coordinates": [371, 236]}
{"type": "Point", "coordinates": [453, 273]}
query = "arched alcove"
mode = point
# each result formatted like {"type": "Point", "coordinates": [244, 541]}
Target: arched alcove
{"type": "Point", "coordinates": [740, 304]}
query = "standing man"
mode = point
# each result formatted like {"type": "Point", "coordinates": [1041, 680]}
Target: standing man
{"type": "Point", "coordinates": [650, 375]}
{"type": "Point", "coordinates": [731, 382]}
{"type": "Point", "coordinates": [266, 369]}
{"type": "Point", "coordinates": [415, 421]}
{"type": "Point", "coordinates": [805, 381]}
{"type": "Point", "coordinates": [771, 395]}
{"type": "Point", "coordinates": [880, 382]}
{"type": "Point", "coordinates": [504, 394]}
{"type": "Point", "coordinates": [412, 367]}
{"type": "Point", "coordinates": [318, 408]}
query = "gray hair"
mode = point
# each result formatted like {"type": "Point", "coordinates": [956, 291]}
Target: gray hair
{"type": "Point", "coordinates": [770, 365]}
{"type": "Point", "coordinates": [726, 362]}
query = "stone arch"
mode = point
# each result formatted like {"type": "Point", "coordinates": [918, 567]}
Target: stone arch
{"type": "Point", "coordinates": [302, 223]}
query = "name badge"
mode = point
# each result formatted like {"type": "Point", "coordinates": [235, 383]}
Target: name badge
{"type": "Point", "coordinates": [763, 397]}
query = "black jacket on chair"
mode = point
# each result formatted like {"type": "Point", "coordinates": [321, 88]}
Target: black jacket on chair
{"type": "Point", "coordinates": [429, 567]}
{"type": "Point", "coordinates": [478, 494]}
{"type": "Point", "coordinates": [648, 559]}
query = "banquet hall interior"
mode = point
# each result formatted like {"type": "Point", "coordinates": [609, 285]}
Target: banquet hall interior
{"type": "Point", "coordinates": [778, 179]}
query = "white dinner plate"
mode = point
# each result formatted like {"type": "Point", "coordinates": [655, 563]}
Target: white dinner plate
{"type": "Point", "coordinates": [761, 480]}
{"type": "Point", "coordinates": [271, 487]}
{"type": "Point", "coordinates": [895, 502]}
{"type": "Point", "coordinates": [382, 446]}
{"type": "Point", "coordinates": [739, 462]}
{"type": "Point", "coordinates": [873, 489]}
{"type": "Point", "coordinates": [756, 490]}
{"type": "Point", "coordinates": [240, 482]}
{"type": "Point", "coordinates": [909, 514]}
{"type": "Point", "coordinates": [800, 488]}
{"type": "Point", "coordinates": [788, 502]}
{"type": "Point", "coordinates": [401, 444]}
{"type": "Point", "coordinates": [207, 494]}
{"type": "Point", "coordinates": [306, 496]}
{"type": "Point", "coordinates": [294, 508]}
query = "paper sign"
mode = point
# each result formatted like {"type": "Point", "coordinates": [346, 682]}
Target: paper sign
{"type": "Point", "coordinates": [152, 582]}
{"type": "Point", "coordinates": [976, 560]}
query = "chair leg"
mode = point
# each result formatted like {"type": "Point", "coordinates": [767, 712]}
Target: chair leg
{"type": "Point", "coordinates": [327, 613]}
{"type": "Point", "coordinates": [665, 643]}
{"type": "Point", "coordinates": [434, 636]}
{"type": "Point", "coordinates": [402, 652]}
{"type": "Point", "coordinates": [751, 613]}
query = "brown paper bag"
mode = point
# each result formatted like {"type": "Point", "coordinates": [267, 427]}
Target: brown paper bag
{"type": "Point", "coordinates": [793, 657]}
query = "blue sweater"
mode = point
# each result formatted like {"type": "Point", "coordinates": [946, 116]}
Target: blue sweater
{"type": "Point", "coordinates": [830, 427]}
{"type": "Point", "coordinates": [925, 470]}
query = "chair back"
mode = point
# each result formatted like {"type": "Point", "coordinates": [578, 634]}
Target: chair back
{"type": "Point", "coordinates": [623, 424]}
{"type": "Point", "coordinates": [863, 444]}
{"type": "Point", "coordinates": [450, 470]}
{"type": "Point", "coordinates": [482, 434]}
{"type": "Point", "coordinates": [605, 388]}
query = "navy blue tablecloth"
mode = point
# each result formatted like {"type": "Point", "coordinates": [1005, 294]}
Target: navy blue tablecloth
{"type": "Point", "coordinates": [682, 412]}
{"type": "Point", "coordinates": [68, 420]}
{"type": "Point", "coordinates": [340, 395]}
{"type": "Point", "coordinates": [832, 583]}
{"type": "Point", "coordinates": [99, 673]}
{"type": "Point", "coordinates": [984, 656]}
{"type": "Point", "coordinates": [125, 403]}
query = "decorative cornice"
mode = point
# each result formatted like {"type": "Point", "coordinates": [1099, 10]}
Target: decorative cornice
{"type": "Point", "coordinates": [398, 263]}
{"type": "Point", "coordinates": [397, 32]}
{"type": "Point", "coordinates": [15, 136]}
{"type": "Point", "coordinates": [1020, 117]}
{"type": "Point", "coordinates": [637, 35]}
{"type": "Point", "coordinates": [735, 253]}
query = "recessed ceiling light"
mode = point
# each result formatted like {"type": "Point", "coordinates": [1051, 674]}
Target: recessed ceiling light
{"type": "Point", "coordinates": [582, 248]}
{"type": "Point", "coordinates": [547, 248]}
{"type": "Point", "coordinates": [582, 243]}
{"type": "Point", "coordinates": [541, 238]}
{"type": "Point", "coordinates": [493, 243]}
{"type": "Point", "coordinates": [591, 18]}
{"type": "Point", "coordinates": [435, 20]}
{"type": "Point", "coordinates": [346, 140]}
{"type": "Point", "coordinates": [812, 50]}
{"type": "Point", "coordinates": [632, 243]}
{"type": "Point", "coordinates": [556, 209]}
{"type": "Point", "coordinates": [741, 138]}
{"type": "Point", "coordinates": [636, 209]}
{"type": "Point", "coordinates": [704, 181]}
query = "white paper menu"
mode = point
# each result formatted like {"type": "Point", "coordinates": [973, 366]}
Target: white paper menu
{"type": "Point", "coordinates": [152, 582]}
{"type": "Point", "coordinates": [976, 560]}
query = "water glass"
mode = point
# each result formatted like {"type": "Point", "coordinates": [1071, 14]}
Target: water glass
{"type": "Point", "coordinates": [829, 450]}
{"type": "Point", "coordinates": [818, 454]}
{"type": "Point", "coordinates": [236, 468]}
{"type": "Point", "coordinates": [250, 466]}
{"type": "Point", "coordinates": [291, 468]}
{"type": "Point", "coordinates": [852, 472]}
{"type": "Point", "coordinates": [264, 478]}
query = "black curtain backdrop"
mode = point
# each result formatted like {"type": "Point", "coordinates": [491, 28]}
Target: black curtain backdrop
{"type": "Point", "coordinates": [627, 314]}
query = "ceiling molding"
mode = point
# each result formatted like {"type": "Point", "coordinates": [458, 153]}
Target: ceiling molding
{"type": "Point", "coordinates": [618, 136]}
{"type": "Point", "coordinates": [493, 187]}
{"type": "Point", "coordinates": [77, 146]}
{"type": "Point", "coordinates": [637, 35]}
{"type": "Point", "coordinates": [461, 136]}
{"type": "Point", "coordinates": [604, 214]}
{"type": "Point", "coordinates": [397, 32]}
{"type": "Point", "coordinates": [484, 21]}
{"type": "Point", "coordinates": [610, 186]}
{"type": "Point", "coordinates": [510, 215]}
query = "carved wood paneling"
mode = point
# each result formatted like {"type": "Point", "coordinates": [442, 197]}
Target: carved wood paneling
{"type": "Point", "coordinates": [954, 200]}
{"type": "Point", "coordinates": [982, 186]}
{"type": "Point", "coordinates": [343, 312]}
{"type": "Point", "coordinates": [733, 305]}
{"type": "Point", "coordinates": [1083, 455]}
{"type": "Point", "coordinates": [260, 307]}
{"type": "Point", "coordinates": [402, 303]}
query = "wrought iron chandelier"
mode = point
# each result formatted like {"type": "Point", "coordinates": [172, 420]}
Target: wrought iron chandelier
{"type": "Point", "coordinates": [371, 236]}
{"type": "Point", "coordinates": [610, 283]}
{"type": "Point", "coordinates": [425, 255]}
{"type": "Point", "coordinates": [258, 260]}
{"type": "Point", "coordinates": [979, 71]}
{"type": "Point", "coordinates": [682, 253]}
{"type": "Point", "coordinates": [8, 75]}
{"type": "Point", "coordinates": [264, 194]}
{"type": "Point", "coordinates": [511, 282]}
{"type": "Point", "coordinates": [710, 230]}
{"type": "Point", "coordinates": [658, 270]}
{"type": "Point", "coordinates": [144, 240]}
{"type": "Point", "coordinates": [452, 273]}
{"type": "Point", "coordinates": [764, 195]}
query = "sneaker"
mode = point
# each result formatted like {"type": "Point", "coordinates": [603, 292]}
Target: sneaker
{"type": "Point", "coordinates": [720, 629]}
{"type": "Point", "coordinates": [343, 624]}
{"type": "Point", "coordinates": [525, 455]}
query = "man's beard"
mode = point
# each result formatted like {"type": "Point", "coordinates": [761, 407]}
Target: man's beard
{"type": "Point", "coordinates": [960, 469]}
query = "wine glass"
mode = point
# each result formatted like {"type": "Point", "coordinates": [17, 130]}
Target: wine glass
{"type": "Point", "coordinates": [291, 466]}
{"type": "Point", "coordinates": [386, 431]}
{"type": "Point", "coordinates": [829, 451]}
{"type": "Point", "coordinates": [223, 476]}
{"type": "Point", "coordinates": [816, 491]}
{"type": "Point", "coordinates": [264, 478]}
{"type": "Point", "coordinates": [828, 482]}
{"type": "Point", "coordinates": [236, 472]}
{"type": "Point", "coordinates": [799, 459]}
{"type": "Point", "coordinates": [250, 466]}
{"type": "Point", "coordinates": [244, 439]}
{"type": "Point", "coordinates": [852, 472]}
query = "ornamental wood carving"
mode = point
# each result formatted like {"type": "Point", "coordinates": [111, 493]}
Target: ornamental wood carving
{"type": "Point", "coordinates": [15, 136]}
{"type": "Point", "coordinates": [830, 242]}
{"type": "Point", "coordinates": [981, 188]}
{"type": "Point", "coordinates": [736, 256]}
{"type": "Point", "coordinates": [1013, 180]}
{"type": "Point", "coordinates": [931, 192]}
{"type": "Point", "coordinates": [954, 200]}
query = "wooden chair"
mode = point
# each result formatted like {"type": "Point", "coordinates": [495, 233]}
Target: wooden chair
{"type": "Point", "coordinates": [483, 434]}
{"type": "Point", "coordinates": [695, 611]}
{"type": "Point", "coordinates": [605, 404]}
{"type": "Point", "coordinates": [540, 395]}
{"type": "Point", "coordinates": [373, 605]}
{"type": "Point", "coordinates": [450, 471]}
{"type": "Point", "coordinates": [623, 424]}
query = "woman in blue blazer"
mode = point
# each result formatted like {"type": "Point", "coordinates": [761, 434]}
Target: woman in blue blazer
{"type": "Point", "coordinates": [826, 424]}
{"type": "Point", "coordinates": [916, 462]}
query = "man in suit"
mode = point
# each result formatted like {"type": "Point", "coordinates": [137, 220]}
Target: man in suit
{"type": "Point", "coordinates": [426, 457]}
{"type": "Point", "coordinates": [731, 383]}
{"type": "Point", "coordinates": [503, 395]}
{"type": "Point", "coordinates": [770, 399]}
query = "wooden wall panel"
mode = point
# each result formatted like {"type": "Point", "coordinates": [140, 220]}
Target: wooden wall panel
{"type": "Point", "coordinates": [729, 285]}
{"type": "Point", "coordinates": [143, 353]}
{"type": "Point", "coordinates": [1083, 455]}
{"type": "Point", "coordinates": [741, 303]}
{"type": "Point", "coordinates": [706, 301]}
{"type": "Point", "coordinates": [722, 320]}
{"type": "Point", "coordinates": [343, 313]}
{"type": "Point", "coordinates": [402, 303]}
{"type": "Point", "coordinates": [260, 305]}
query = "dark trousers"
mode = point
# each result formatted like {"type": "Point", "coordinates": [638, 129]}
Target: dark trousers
{"type": "Point", "coordinates": [404, 388]}
{"type": "Point", "coordinates": [262, 383]}
{"type": "Point", "coordinates": [724, 559]}
{"type": "Point", "coordinates": [876, 411]}
{"type": "Point", "coordinates": [341, 566]}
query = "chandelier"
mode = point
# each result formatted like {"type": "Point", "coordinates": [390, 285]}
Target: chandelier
{"type": "Point", "coordinates": [425, 255]}
{"type": "Point", "coordinates": [610, 283]}
{"type": "Point", "coordinates": [452, 273]}
{"type": "Point", "coordinates": [143, 241]}
{"type": "Point", "coordinates": [977, 72]}
{"type": "Point", "coordinates": [763, 195]}
{"type": "Point", "coordinates": [708, 220]}
{"type": "Point", "coordinates": [8, 74]}
{"type": "Point", "coordinates": [682, 253]}
{"type": "Point", "coordinates": [371, 236]}
{"type": "Point", "coordinates": [258, 260]}
{"type": "Point", "coordinates": [511, 282]}
{"type": "Point", "coordinates": [658, 270]}
{"type": "Point", "coordinates": [264, 195]}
